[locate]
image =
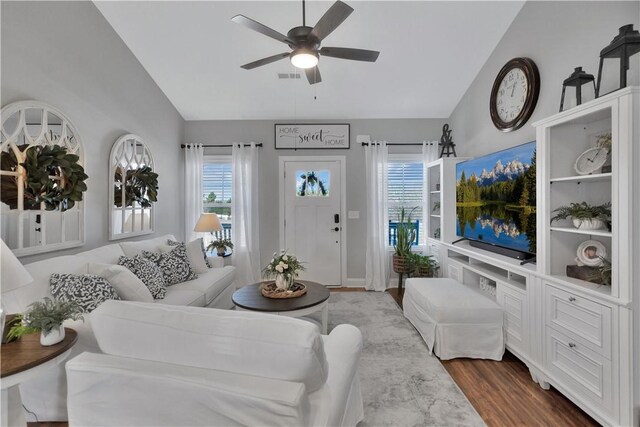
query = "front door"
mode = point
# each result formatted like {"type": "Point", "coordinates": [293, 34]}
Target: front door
{"type": "Point", "coordinates": [312, 218]}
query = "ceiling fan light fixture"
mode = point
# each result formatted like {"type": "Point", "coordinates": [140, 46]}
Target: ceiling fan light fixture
{"type": "Point", "coordinates": [304, 58]}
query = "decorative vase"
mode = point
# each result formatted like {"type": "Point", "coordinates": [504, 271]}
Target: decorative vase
{"type": "Point", "coordinates": [55, 336]}
{"type": "Point", "coordinates": [221, 251]}
{"type": "Point", "coordinates": [588, 224]}
{"type": "Point", "coordinates": [284, 282]}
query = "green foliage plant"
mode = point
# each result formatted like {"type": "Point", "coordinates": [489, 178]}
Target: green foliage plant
{"type": "Point", "coordinates": [603, 274]}
{"type": "Point", "coordinates": [220, 244]}
{"type": "Point", "coordinates": [582, 212]}
{"type": "Point", "coordinates": [420, 264]}
{"type": "Point", "coordinates": [45, 316]}
{"type": "Point", "coordinates": [405, 233]}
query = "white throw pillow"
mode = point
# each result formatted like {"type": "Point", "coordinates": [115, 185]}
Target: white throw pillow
{"type": "Point", "coordinates": [126, 284]}
{"type": "Point", "coordinates": [194, 253]}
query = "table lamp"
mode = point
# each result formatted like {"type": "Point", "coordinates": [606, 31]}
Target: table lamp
{"type": "Point", "coordinates": [13, 275]}
{"type": "Point", "coordinates": [208, 222]}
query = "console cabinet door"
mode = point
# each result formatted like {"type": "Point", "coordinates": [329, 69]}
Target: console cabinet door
{"type": "Point", "coordinates": [513, 302]}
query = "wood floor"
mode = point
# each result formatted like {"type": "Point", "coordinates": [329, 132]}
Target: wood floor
{"type": "Point", "coordinates": [504, 394]}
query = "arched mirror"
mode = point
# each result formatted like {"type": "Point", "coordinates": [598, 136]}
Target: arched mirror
{"type": "Point", "coordinates": [133, 189]}
{"type": "Point", "coordinates": [42, 179]}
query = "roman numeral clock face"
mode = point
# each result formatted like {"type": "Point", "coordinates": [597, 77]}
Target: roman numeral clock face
{"type": "Point", "coordinates": [514, 94]}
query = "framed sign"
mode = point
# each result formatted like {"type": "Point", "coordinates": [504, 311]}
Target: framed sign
{"type": "Point", "coordinates": [316, 136]}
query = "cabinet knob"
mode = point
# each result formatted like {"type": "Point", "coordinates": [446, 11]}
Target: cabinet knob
{"type": "Point", "coordinates": [572, 345]}
{"type": "Point", "coordinates": [572, 299]}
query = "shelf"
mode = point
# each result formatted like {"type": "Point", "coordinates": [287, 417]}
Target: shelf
{"type": "Point", "coordinates": [569, 229]}
{"type": "Point", "coordinates": [435, 192]}
{"type": "Point", "coordinates": [598, 177]}
{"type": "Point", "coordinates": [593, 288]}
{"type": "Point", "coordinates": [435, 216]}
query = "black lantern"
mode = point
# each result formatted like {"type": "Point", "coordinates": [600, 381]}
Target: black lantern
{"type": "Point", "coordinates": [623, 46]}
{"type": "Point", "coordinates": [577, 79]}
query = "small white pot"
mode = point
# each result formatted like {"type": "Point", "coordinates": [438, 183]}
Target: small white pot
{"type": "Point", "coordinates": [284, 282]}
{"type": "Point", "coordinates": [53, 337]}
{"type": "Point", "coordinates": [588, 224]}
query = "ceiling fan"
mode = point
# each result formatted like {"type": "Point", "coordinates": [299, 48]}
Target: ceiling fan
{"type": "Point", "coordinates": [305, 41]}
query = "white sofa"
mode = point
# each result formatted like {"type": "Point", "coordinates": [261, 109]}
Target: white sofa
{"type": "Point", "coordinates": [46, 396]}
{"type": "Point", "coordinates": [168, 365]}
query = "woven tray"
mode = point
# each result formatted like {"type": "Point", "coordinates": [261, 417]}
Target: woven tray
{"type": "Point", "coordinates": [270, 290]}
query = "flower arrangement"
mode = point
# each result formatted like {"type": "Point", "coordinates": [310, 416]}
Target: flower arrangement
{"type": "Point", "coordinates": [221, 245]}
{"type": "Point", "coordinates": [285, 267]}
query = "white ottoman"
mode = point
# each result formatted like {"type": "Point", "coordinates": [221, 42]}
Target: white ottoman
{"type": "Point", "coordinates": [453, 319]}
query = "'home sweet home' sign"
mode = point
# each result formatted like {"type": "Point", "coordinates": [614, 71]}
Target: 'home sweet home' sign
{"type": "Point", "coordinates": [302, 135]}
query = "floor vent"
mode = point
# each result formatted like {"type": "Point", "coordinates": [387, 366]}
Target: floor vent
{"type": "Point", "coordinates": [282, 76]}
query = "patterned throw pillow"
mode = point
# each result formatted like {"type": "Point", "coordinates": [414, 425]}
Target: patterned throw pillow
{"type": "Point", "coordinates": [148, 272]}
{"type": "Point", "coordinates": [174, 265]}
{"type": "Point", "coordinates": [86, 290]}
{"type": "Point", "coordinates": [197, 254]}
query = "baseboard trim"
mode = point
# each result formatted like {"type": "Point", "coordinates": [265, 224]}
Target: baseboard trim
{"type": "Point", "coordinates": [354, 283]}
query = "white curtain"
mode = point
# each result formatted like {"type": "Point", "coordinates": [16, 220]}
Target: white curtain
{"type": "Point", "coordinates": [245, 213]}
{"type": "Point", "coordinates": [429, 154]}
{"type": "Point", "coordinates": [377, 256]}
{"type": "Point", "coordinates": [193, 159]}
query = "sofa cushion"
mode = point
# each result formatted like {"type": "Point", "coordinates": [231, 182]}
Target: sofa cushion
{"type": "Point", "coordinates": [87, 290]}
{"type": "Point", "coordinates": [147, 271]}
{"type": "Point", "coordinates": [250, 343]}
{"type": "Point", "coordinates": [126, 284]}
{"type": "Point", "coordinates": [175, 265]}
{"type": "Point", "coordinates": [196, 253]}
{"type": "Point", "coordinates": [108, 254]}
{"type": "Point", "coordinates": [177, 296]}
{"type": "Point", "coordinates": [210, 284]}
{"type": "Point", "coordinates": [132, 249]}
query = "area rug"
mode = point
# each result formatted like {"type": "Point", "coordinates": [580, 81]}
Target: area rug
{"type": "Point", "coordinates": [402, 384]}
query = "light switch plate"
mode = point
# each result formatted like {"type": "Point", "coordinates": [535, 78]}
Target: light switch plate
{"type": "Point", "coordinates": [354, 215]}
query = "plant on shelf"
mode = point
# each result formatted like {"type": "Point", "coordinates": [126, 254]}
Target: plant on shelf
{"type": "Point", "coordinates": [584, 215]}
{"type": "Point", "coordinates": [436, 233]}
{"type": "Point", "coordinates": [602, 274]}
{"type": "Point", "coordinates": [46, 317]}
{"type": "Point", "coordinates": [436, 207]}
{"type": "Point", "coordinates": [220, 245]}
{"type": "Point", "coordinates": [285, 267]}
{"type": "Point", "coordinates": [405, 237]}
{"type": "Point", "coordinates": [423, 265]}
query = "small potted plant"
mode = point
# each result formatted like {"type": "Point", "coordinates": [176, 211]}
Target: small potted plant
{"type": "Point", "coordinates": [220, 245]}
{"type": "Point", "coordinates": [405, 236]}
{"type": "Point", "coordinates": [436, 207]}
{"type": "Point", "coordinates": [602, 274]}
{"type": "Point", "coordinates": [584, 215]}
{"type": "Point", "coordinates": [284, 267]}
{"type": "Point", "coordinates": [423, 265]}
{"type": "Point", "coordinates": [46, 317]}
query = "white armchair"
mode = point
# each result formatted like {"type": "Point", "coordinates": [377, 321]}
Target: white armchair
{"type": "Point", "coordinates": [168, 365]}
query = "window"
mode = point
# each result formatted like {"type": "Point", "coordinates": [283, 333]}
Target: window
{"type": "Point", "coordinates": [216, 190]}
{"type": "Point", "coordinates": [404, 190]}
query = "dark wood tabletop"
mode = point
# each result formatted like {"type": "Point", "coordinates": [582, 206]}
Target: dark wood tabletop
{"type": "Point", "coordinates": [250, 298]}
{"type": "Point", "coordinates": [27, 352]}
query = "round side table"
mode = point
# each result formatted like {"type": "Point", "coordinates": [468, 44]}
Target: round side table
{"type": "Point", "coordinates": [23, 360]}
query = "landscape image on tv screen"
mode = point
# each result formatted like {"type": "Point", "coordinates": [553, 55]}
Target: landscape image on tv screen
{"type": "Point", "coordinates": [496, 198]}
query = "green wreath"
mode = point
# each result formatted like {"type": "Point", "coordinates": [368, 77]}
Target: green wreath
{"type": "Point", "coordinates": [140, 185]}
{"type": "Point", "coordinates": [42, 162]}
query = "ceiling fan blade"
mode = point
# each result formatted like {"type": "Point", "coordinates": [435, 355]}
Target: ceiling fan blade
{"type": "Point", "coordinates": [332, 18]}
{"type": "Point", "coordinates": [313, 75]}
{"type": "Point", "coordinates": [261, 28]}
{"type": "Point", "coordinates": [264, 61]}
{"type": "Point", "coordinates": [348, 53]}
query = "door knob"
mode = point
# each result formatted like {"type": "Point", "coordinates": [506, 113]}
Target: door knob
{"type": "Point", "coordinates": [335, 229]}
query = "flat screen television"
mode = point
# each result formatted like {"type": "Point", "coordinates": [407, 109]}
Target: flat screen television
{"type": "Point", "coordinates": [496, 201]}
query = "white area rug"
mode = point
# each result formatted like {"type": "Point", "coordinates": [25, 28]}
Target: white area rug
{"type": "Point", "coordinates": [402, 384]}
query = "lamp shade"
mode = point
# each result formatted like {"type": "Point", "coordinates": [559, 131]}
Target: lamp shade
{"type": "Point", "coordinates": [12, 273]}
{"type": "Point", "coordinates": [208, 222]}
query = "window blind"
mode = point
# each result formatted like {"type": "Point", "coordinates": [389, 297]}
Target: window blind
{"type": "Point", "coordinates": [404, 189]}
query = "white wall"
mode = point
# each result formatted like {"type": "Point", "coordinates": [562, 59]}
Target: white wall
{"type": "Point", "coordinates": [558, 36]}
{"type": "Point", "coordinates": [226, 131]}
{"type": "Point", "coordinates": [66, 54]}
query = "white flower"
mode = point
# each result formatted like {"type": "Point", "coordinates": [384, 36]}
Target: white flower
{"type": "Point", "coordinates": [285, 266]}
{"type": "Point", "coordinates": [273, 260]}
{"type": "Point", "coordinates": [279, 268]}
{"type": "Point", "coordinates": [285, 258]}
{"type": "Point", "coordinates": [274, 254]}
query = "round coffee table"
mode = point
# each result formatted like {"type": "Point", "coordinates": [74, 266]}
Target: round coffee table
{"type": "Point", "coordinates": [316, 299]}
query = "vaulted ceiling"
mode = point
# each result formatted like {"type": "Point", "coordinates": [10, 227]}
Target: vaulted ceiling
{"type": "Point", "coordinates": [430, 53]}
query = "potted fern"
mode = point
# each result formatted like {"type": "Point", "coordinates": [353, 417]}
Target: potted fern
{"type": "Point", "coordinates": [405, 236]}
{"type": "Point", "coordinates": [423, 265]}
{"type": "Point", "coordinates": [220, 245]}
{"type": "Point", "coordinates": [584, 215]}
{"type": "Point", "coordinates": [46, 317]}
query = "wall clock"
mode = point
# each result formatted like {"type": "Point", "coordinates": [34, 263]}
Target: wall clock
{"type": "Point", "coordinates": [591, 161]}
{"type": "Point", "coordinates": [514, 94]}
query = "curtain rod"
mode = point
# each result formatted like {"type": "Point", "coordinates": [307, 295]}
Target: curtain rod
{"type": "Point", "coordinates": [259, 144]}
{"type": "Point", "coordinates": [364, 144]}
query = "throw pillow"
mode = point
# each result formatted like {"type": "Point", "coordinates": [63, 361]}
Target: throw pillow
{"type": "Point", "coordinates": [86, 290]}
{"type": "Point", "coordinates": [196, 253]}
{"type": "Point", "coordinates": [126, 284]}
{"type": "Point", "coordinates": [148, 272]}
{"type": "Point", "coordinates": [174, 265]}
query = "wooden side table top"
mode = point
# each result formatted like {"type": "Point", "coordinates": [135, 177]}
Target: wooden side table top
{"type": "Point", "coordinates": [250, 298]}
{"type": "Point", "coordinates": [26, 353]}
